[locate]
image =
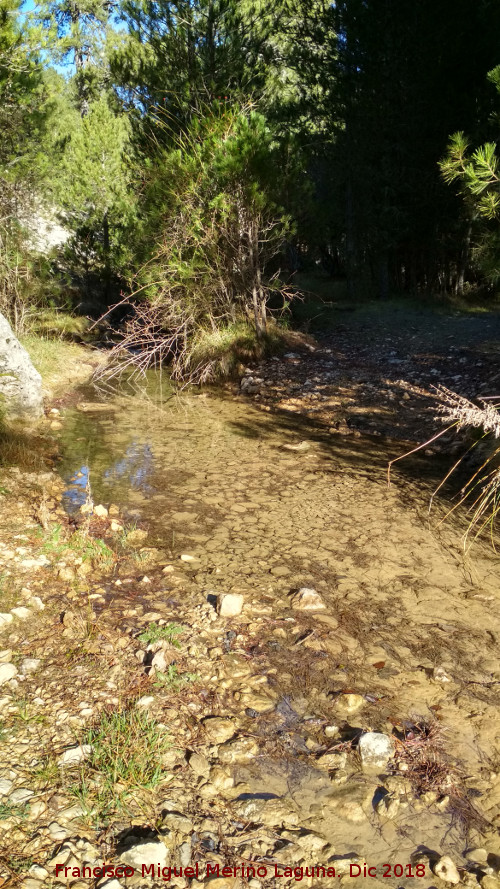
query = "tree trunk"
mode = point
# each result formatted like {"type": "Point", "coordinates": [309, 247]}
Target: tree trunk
{"type": "Point", "coordinates": [258, 309]}
{"type": "Point", "coordinates": [107, 257]}
{"type": "Point", "coordinates": [464, 259]}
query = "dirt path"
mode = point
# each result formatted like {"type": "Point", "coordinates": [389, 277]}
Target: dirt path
{"type": "Point", "coordinates": [375, 371]}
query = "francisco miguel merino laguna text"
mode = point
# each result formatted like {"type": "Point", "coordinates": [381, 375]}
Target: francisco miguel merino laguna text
{"type": "Point", "coordinates": [212, 869]}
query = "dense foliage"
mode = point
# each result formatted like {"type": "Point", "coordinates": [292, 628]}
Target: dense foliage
{"type": "Point", "coordinates": [201, 151]}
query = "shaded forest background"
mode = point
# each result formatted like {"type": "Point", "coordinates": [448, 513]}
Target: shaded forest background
{"type": "Point", "coordinates": [197, 154]}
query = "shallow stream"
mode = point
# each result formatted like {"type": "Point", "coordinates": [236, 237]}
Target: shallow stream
{"type": "Point", "coordinates": [265, 504]}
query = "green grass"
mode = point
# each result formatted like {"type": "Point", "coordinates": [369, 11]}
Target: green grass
{"type": "Point", "coordinates": [82, 544]}
{"type": "Point", "coordinates": [52, 357]}
{"type": "Point", "coordinates": [47, 773]}
{"type": "Point", "coordinates": [20, 864]}
{"type": "Point", "coordinates": [124, 766]}
{"type": "Point", "coordinates": [155, 633]}
{"type": "Point", "coordinates": [10, 810]}
{"type": "Point", "coordinates": [219, 354]}
{"type": "Point", "coordinates": [172, 679]}
{"type": "Point", "coordinates": [55, 323]}
{"type": "Point", "coordinates": [26, 714]}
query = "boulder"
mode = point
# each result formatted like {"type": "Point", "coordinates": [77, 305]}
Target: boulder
{"type": "Point", "coordinates": [20, 383]}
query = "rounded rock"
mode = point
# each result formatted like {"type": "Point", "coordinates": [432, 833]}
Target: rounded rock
{"type": "Point", "coordinates": [375, 750]}
{"type": "Point", "coordinates": [446, 870]}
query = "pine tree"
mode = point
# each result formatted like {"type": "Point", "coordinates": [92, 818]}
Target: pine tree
{"type": "Point", "coordinates": [73, 32]}
{"type": "Point", "coordinates": [95, 183]}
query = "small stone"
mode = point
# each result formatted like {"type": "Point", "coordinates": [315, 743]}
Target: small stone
{"type": "Point", "coordinates": [240, 749]}
{"type": "Point", "coordinates": [270, 812]}
{"type": "Point", "coordinates": [29, 882]}
{"type": "Point", "coordinates": [439, 674]}
{"type": "Point", "coordinates": [223, 883]}
{"type": "Point", "coordinates": [145, 854]}
{"type": "Point", "coordinates": [75, 755]}
{"type": "Point", "coordinates": [110, 884]}
{"type": "Point", "coordinates": [186, 557]}
{"type": "Point", "coordinates": [71, 812]}
{"type": "Point", "coordinates": [218, 730]}
{"type": "Point", "coordinates": [178, 823]}
{"type": "Point", "coordinates": [145, 702]}
{"type": "Point", "coordinates": [221, 779]}
{"type": "Point", "coordinates": [66, 574]}
{"type": "Point", "coordinates": [311, 842]}
{"type": "Point", "coordinates": [20, 796]}
{"type": "Point", "coordinates": [375, 749]}
{"type": "Point", "coordinates": [199, 764]}
{"type": "Point", "coordinates": [159, 662]}
{"type": "Point", "coordinates": [136, 537]}
{"type": "Point", "coordinates": [57, 832]}
{"type": "Point", "coordinates": [478, 855]}
{"type": "Point", "coordinates": [36, 603]}
{"type": "Point", "coordinates": [351, 703]}
{"type": "Point", "coordinates": [307, 599]}
{"type": "Point", "coordinates": [331, 761]}
{"type": "Point", "coordinates": [280, 571]}
{"type": "Point", "coordinates": [490, 882]}
{"type": "Point", "coordinates": [7, 672]}
{"type": "Point", "coordinates": [29, 665]}
{"type": "Point", "coordinates": [37, 809]}
{"type": "Point", "coordinates": [184, 854]}
{"type": "Point", "coordinates": [331, 730]}
{"type": "Point", "coordinates": [100, 511]}
{"type": "Point", "coordinates": [39, 873]}
{"type": "Point", "coordinates": [5, 619]}
{"type": "Point", "coordinates": [230, 604]}
{"type": "Point", "coordinates": [5, 786]}
{"type": "Point", "coordinates": [5, 656]}
{"type": "Point", "coordinates": [301, 446]}
{"type": "Point", "coordinates": [388, 806]}
{"type": "Point", "coordinates": [446, 870]}
{"type": "Point", "coordinates": [260, 703]}
{"type": "Point", "coordinates": [21, 613]}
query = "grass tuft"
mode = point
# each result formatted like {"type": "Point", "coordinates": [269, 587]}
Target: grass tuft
{"type": "Point", "coordinates": [155, 633]}
{"type": "Point", "coordinates": [127, 748]}
{"type": "Point", "coordinates": [173, 679]}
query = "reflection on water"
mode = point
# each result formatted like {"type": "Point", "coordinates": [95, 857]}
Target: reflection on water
{"type": "Point", "coordinates": [134, 468]}
{"type": "Point", "coordinates": [76, 492]}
